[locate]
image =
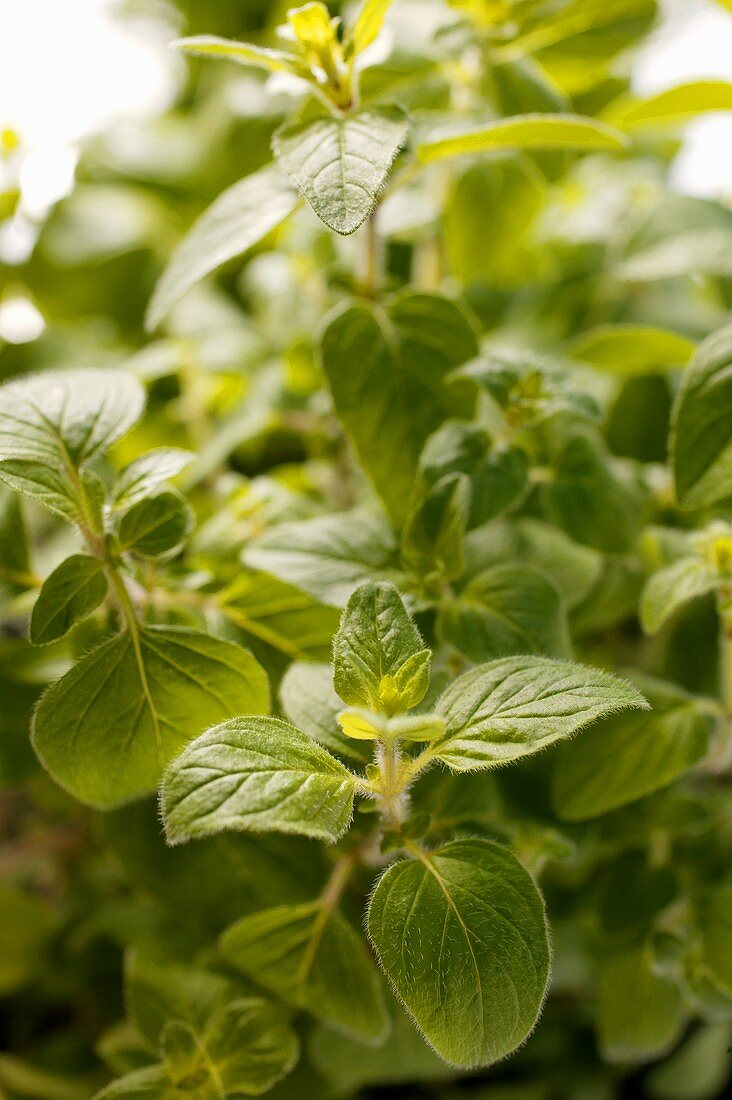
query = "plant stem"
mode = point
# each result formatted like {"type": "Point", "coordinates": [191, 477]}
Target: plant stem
{"type": "Point", "coordinates": [393, 798]}
{"type": "Point", "coordinates": [371, 273]}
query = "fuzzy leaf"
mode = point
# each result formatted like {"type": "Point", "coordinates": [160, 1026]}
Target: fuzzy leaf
{"type": "Point", "coordinates": [258, 774]}
{"type": "Point", "coordinates": [512, 708]}
{"type": "Point", "coordinates": [461, 933]}
{"type": "Point", "coordinates": [341, 164]}
{"type": "Point", "coordinates": [106, 729]}
{"type": "Point", "coordinates": [375, 640]}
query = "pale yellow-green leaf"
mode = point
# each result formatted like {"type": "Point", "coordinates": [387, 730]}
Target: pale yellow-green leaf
{"type": "Point", "coordinates": [535, 131]}
{"type": "Point", "coordinates": [368, 24]}
{"type": "Point", "coordinates": [210, 45]}
{"type": "Point", "coordinates": [676, 105]}
{"type": "Point", "coordinates": [632, 349]}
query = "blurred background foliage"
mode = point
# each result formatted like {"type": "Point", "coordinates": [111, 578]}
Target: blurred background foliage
{"type": "Point", "coordinates": [544, 248]}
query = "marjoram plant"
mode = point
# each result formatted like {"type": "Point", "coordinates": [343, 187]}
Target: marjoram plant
{"type": "Point", "coordinates": [375, 750]}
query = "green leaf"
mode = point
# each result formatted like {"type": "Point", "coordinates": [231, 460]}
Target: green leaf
{"type": "Point", "coordinates": [106, 729]}
{"type": "Point", "coordinates": [328, 556]}
{"type": "Point", "coordinates": [587, 497]}
{"type": "Point", "coordinates": [701, 432]}
{"type": "Point", "coordinates": [670, 588]}
{"type": "Point", "coordinates": [632, 349]}
{"type": "Point", "coordinates": [639, 1013]}
{"type": "Point", "coordinates": [533, 131]}
{"type": "Point", "coordinates": [147, 1083]}
{"type": "Point", "coordinates": [629, 756]}
{"type": "Point", "coordinates": [512, 708]}
{"type": "Point", "coordinates": [15, 567]}
{"type": "Point", "coordinates": [697, 1070]}
{"type": "Point", "coordinates": [244, 1049]}
{"type": "Point", "coordinates": [315, 960]}
{"type": "Point", "coordinates": [715, 922]}
{"type": "Point", "coordinates": [156, 993]}
{"type": "Point", "coordinates": [379, 658]}
{"type": "Point", "coordinates": [69, 594]}
{"type": "Point", "coordinates": [387, 372]}
{"type": "Point", "coordinates": [284, 617]}
{"type": "Point", "coordinates": [311, 704]}
{"type": "Point", "coordinates": [243, 53]}
{"type": "Point", "coordinates": [506, 609]}
{"type": "Point", "coordinates": [674, 106]}
{"type": "Point", "coordinates": [156, 525]}
{"type": "Point", "coordinates": [258, 774]}
{"type": "Point", "coordinates": [239, 218]}
{"type": "Point", "coordinates": [497, 471]}
{"type": "Point", "coordinates": [488, 218]}
{"type": "Point", "coordinates": [341, 164]}
{"type": "Point", "coordinates": [432, 539]}
{"type": "Point", "coordinates": [571, 567]}
{"type": "Point", "coordinates": [461, 933]}
{"type": "Point", "coordinates": [368, 23]}
{"type": "Point", "coordinates": [52, 424]}
{"type": "Point", "coordinates": [147, 473]}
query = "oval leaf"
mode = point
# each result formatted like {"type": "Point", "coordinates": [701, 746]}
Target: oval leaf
{"type": "Point", "coordinates": [156, 525]}
{"type": "Point", "coordinates": [107, 728]}
{"type": "Point", "coordinates": [258, 774]}
{"type": "Point", "coordinates": [341, 164]}
{"type": "Point", "coordinates": [68, 595]}
{"type": "Point", "coordinates": [461, 933]}
{"type": "Point", "coordinates": [515, 707]}
{"type": "Point", "coordinates": [387, 373]}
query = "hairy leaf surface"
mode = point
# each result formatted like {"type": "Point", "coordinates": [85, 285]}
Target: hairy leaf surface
{"type": "Point", "coordinates": [257, 774]}
{"type": "Point", "coordinates": [106, 729]}
{"type": "Point", "coordinates": [461, 933]}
